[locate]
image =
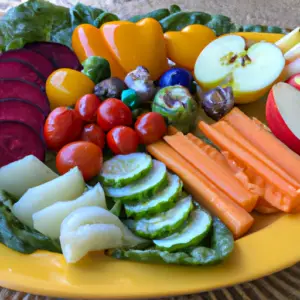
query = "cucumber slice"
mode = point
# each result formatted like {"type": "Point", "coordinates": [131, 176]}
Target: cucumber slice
{"type": "Point", "coordinates": [124, 169]}
{"type": "Point", "coordinates": [164, 223]}
{"type": "Point", "coordinates": [142, 188]}
{"type": "Point", "coordinates": [63, 188]}
{"type": "Point", "coordinates": [159, 202]}
{"type": "Point", "coordinates": [196, 229]}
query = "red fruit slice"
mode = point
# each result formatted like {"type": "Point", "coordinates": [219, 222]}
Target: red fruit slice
{"type": "Point", "coordinates": [60, 55]}
{"type": "Point", "coordinates": [18, 140]}
{"type": "Point", "coordinates": [22, 111]}
{"type": "Point", "coordinates": [38, 61]}
{"type": "Point", "coordinates": [12, 68]}
{"type": "Point", "coordinates": [22, 89]}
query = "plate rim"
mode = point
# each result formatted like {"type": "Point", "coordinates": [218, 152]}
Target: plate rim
{"type": "Point", "coordinates": [258, 261]}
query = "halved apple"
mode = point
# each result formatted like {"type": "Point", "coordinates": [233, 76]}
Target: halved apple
{"type": "Point", "coordinates": [250, 72]}
{"type": "Point", "coordinates": [283, 113]}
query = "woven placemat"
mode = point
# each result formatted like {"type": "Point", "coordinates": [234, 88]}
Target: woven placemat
{"type": "Point", "coordinates": [283, 13]}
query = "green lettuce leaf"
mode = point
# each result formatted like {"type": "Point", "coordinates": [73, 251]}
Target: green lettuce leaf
{"type": "Point", "coordinates": [20, 237]}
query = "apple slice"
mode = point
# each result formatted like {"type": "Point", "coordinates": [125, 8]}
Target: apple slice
{"type": "Point", "coordinates": [282, 114]}
{"type": "Point", "coordinates": [293, 53]}
{"type": "Point", "coordinates": [289, 41]}
{"type": "Point", "coordinates": [291, 69]}
{"type": "Point", "coordinates": [250, 73]}
{"type": "Point", "coordinates": [294, 81]}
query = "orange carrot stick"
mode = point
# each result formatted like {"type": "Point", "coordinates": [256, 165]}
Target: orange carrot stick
{"type": "Point", "coordinates": [264, 141]}
{"type": "Point", "coordinates": [212, 171]}
{"type": "Point", "coordinates": [212, 152]}
{"type": "Point", "coordinates": [172, 130]}
{"type": "Point", "coordinates": [278, 192]}
{"type": "Point", "coordinates": [264, 207]}
{"type": "Point", "coordinates": [237, 137]}
{"type": "Point", "coordinates": [236, 218]}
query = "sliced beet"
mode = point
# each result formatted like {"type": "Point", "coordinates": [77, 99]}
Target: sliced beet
{"type": "Point", "coordinates": [38, 61]}
{"type": "Point", "coordinates": [18, 140]}
{"type": "Point", "coordinates": [61, 55]}
{"type": "Point", "coordinates": [22, 111]}
{"type": "Point", "coordinates": [13, 68]}
{"type": "Point", "coordinates": [22, 89]}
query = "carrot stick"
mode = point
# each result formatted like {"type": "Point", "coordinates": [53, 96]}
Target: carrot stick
{"type": "Point", "coordinates": [212, 171]}
{"type": "Point", "coordinates": [172, 130]}
{"type": "Point", "coordinates": [237, 137]}
{"type": "Point", "coordinates": [212, 152]}
{"type": "Point", "coordinates": [264, 207]}
{"type": "Point", "coordinates": [264, 141]}
{"type": "Point", "coordinates": [244, 174]}
{"type": "Point", "coordinates": [228, 164]}
{"type": "Point", "coordinates": [236, 218]}
{"type": "Point", "coordinates": [277, 191]}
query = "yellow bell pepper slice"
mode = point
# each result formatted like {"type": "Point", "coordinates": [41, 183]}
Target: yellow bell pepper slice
{"type": "Point", "coordinates": [125, 45]}
{"type": "Point", "coordinates": [65, 86]}
{"type": "Point", "coordinates": [87, 40]}
{"type": "Point", "coordinates": [183, 47]}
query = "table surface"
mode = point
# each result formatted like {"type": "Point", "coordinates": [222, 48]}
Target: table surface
{"type": "Point", "coordinates": [283, 13]}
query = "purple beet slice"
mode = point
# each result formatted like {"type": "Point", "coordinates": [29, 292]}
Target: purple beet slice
{"type": "Point", "coordinates": [22, 111]}
{"type": "Point", "coordinates": [61, 55]}
{"type": "Point", "coordinates": [22, 89]}
{"type": "Point", "coordinates": [12, 68]}
{"type": "Point", "coordinates": [38, 61]}
{"type": "Point", "coordinates": [18, 140]}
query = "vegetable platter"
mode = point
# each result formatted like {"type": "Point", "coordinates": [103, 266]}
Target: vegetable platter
{"type": "Point", "coordinates": [132, 150]}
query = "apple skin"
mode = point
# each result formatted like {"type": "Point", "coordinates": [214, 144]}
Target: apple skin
{"type": "Point", "coordinates": [294, 81]}
{"type": "Point", "coordinates": [278, 126]}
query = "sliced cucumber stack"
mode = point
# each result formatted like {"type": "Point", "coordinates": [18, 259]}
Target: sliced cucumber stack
{"type": "Point", "coordinates": [159, 202]}
{"type": "Point", "coordinates": [122, 170]}
{"type": "Point", "coordinates": [197, 228]}
{"type": "Point", "coordinates": [165, 223]}
{"type": "Point", "coordinates": [142, 188]}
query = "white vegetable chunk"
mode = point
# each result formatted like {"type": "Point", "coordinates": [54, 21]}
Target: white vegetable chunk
{"type": "Point", "coordinates": [84, 231]}
{"type": "Point", "coordinates": [49, 219]}
{"type": "Point", "coordinates": [77, 244]}
{"type": "Point", "coordinates": [69, 186]}
{"type": "Point", "coordinates": [21, 175]}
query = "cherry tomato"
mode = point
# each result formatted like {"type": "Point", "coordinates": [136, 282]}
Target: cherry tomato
{"type": "Point", "coordinates": [62, 126]}
{"type": "Point", "coordinates": [87, 107]}
{"type": "Point", "coordinates": [122, 140]}
{"type": "Point", "coordinates": [113, 112]}
{"type": "Point", "coordinates": [94, 134]}
{"type": "Point", "coordinates": [150, 127]}
{"type": "Point", "coordinates": [84, 155]}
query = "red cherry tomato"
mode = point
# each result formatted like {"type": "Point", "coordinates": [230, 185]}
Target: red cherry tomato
{"type": "Point", "coordinates": [87, 107]}
{"type": "Point", "coordinates": [150, 127]}
{"type": "Point", "coordinates": [62, 126]}
{"type": "Point", "coordinates": [84, 155]}
{"type": "Point", "coordinates": [94, 134]}
{"type": "Point", "coordinates": [113, 112]}
{"type": "Point", "coordinates": [122, 140]}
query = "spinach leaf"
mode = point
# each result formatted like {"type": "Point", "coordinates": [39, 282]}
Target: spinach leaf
{"type": "Point", "coordinates": [222, 244]}
{"type": "Point", "coordinates": [40, 20]}
{"type": "Point", "coordinates": [20, 237]}
{"type": "Point", "coordinates": [35, 20]}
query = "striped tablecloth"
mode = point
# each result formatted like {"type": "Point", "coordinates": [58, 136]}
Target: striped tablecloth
{"type": "Point", "coordinates": [284, 13]}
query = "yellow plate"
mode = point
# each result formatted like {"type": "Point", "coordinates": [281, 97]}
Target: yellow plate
{"type": "Point", "coordinates": [273, 244]}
